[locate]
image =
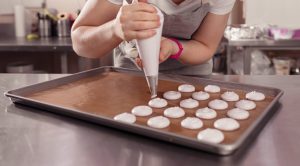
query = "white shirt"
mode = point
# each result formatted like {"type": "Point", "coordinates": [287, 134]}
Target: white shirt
{"type": "Point", "coordinates": [219, 7]}
{"type": "Point", "coordinates": [180, 21]}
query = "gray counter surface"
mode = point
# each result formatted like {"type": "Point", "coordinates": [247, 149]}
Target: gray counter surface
{"type": "Point", "coordinates": [30, 137]}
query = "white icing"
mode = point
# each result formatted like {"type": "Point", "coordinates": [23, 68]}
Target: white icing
{"type": "Point", "coordinates": [125, 117]}
{"type": "Point", "coordinates": [142, 110]}
{"type": "Point", "coordinates": [226, 124]}
{"type": "Point", "coordinates": [200, 95]}
{"type": "Point", "coordinates": [255, 96]}
{"type": "Point", "coordinates": [212, 89]}
{"type": "Point", "coordinates": [245, 104]}
{"type": "Point", "coordinates": [174, 112]}
{"type": "Point", "coordinates": [238, 114]}
{"type": "Point", "coordinates": [211, 136]}
{"type": "Point", "coordinates": [218, 104]}
{"type": "Point", "coordinates": [172, 95]}
{"type": "Point", "coordinates": [206, 113]}
{"type": "Point", "coordinates": [189, 103]}
{"type": "Point", "coordinates": [186, 88]}
{"type": "Point", "coordinates": [230, 96]}
{"type": "Point", "coordinates": [158, 122]}
{"type": "Point", "coordinates": [158, 103]}
{"type": "Point", "coordinates": [191, 123]}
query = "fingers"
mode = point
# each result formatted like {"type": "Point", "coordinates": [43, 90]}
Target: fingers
{"type": "Point", "coordinates": [144, 16]}
{"type": "Point", "coordinates": [163, 55]}
{"type": "Point", "coordinates": [137, 34]}
{"type": "Point", "coordinates": [136, 21]}
{"type": "Point", "coordinates": [138, 61]}
{"type": "Point", "coordinates": [129, 35]}
{"type": "Point", "coordinates": [165, 50]}
{"type": "Point", "coordinates": [141, 7]}
{"type": "Point", "coordinates": [142, 25]}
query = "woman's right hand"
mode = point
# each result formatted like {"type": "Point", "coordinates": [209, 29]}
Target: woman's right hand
{"type": "Point", "coordinates": [136, 21]}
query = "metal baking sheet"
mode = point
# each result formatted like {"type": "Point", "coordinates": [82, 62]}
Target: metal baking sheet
{"type": "Point", "coordinates": [22, 96]}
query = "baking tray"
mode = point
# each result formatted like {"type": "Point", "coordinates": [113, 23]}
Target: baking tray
{"type": "Point", "coordinates": [39, 96]}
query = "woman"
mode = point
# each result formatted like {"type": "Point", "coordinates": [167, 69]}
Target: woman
{"type": "Point", "coordinates": [192, 31]}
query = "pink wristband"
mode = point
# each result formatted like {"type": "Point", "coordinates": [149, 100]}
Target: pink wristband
{"type": "Point", "coordinates": [178, 54]}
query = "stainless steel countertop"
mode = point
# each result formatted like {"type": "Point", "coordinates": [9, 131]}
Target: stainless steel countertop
{"type": "Point", "coordinates": [264, 43]}
{"type": "Point", "coordinates": [42, 44]}
{"type": "Point", "coordinates": [30, 137]}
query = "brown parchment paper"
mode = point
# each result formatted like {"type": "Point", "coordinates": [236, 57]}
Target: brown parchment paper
{"type": "Point", "coordinates": [109, 94]}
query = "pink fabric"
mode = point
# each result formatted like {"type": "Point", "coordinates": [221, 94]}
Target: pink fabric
{"type": "Point", "coordinates": [178, 54]}
{"type": "Point", "coordinates": [296, 34]}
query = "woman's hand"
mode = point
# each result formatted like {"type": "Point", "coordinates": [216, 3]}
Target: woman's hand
{"type": "Point", "coordinates": [136, 21]}
{"type": "Point", "coordinates": [167, 48]}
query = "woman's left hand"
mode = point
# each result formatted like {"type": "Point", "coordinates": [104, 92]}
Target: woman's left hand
{"type": "Point", "coordinates": [167, 48]}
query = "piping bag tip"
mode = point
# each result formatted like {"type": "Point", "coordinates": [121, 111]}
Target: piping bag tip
{"type": "Point", "coordinates": [152, 83]}
{"type": "Point", "coordinates": [153, 95]}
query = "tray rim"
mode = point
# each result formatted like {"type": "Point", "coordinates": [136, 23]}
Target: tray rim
{"type": "Point", "coordinates": [221, 149]}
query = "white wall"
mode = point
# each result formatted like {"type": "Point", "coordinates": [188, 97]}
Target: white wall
{"type": "Point", "coordinates": [285, 13]}
{"type": "Point", "coordinates": [65, 5]}
{"type": "Point", "coordinates": [6, 6]}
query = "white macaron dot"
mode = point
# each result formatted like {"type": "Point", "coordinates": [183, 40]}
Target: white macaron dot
{"type": "Point", "coordinates": [230, 96]}
{"type": "Point", "coordinates": [158, 103]}
{"type": "Point", "coordinates": [218, 104]}
{"type": "Point", "coordinates": [212, 89]}
{"type": "Point", "coordinates": [158, 122]}
{"type": "Point", "coordinates": [255, 96]}
{"type": "Point", "coordinates": [174, 112]}
{"type": "Point", "coordinates": [238, 114]}
{"type": "Point", "coordinates": [192, 123]}
{"type": "Point", "coordinates": [245, 105]}
{"type": "Point", "coordinates": [206, 113]}
{"type": "Point", "coordinates": [200, 95]}
{"type": "Point", "coordinates": [226, 124]}
{"type": "Point", "coordinates": [172, 95]}
{"type": "Point", "coordinates": [186, 88]}
{"type": "Point", "coordinates": [189, 103]}
{"type": "Point", "coordinates": [211, 136]}
{"type": "Point", "coordinates": [142, 110]}
{"type": "Point", "coordinates": [125, 117]}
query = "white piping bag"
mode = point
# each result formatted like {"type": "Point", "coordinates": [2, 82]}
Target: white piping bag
{"type": "Point", "coordinates": [149, 53]}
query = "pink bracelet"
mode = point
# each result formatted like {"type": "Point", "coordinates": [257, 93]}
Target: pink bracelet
{"type": "Point", "coordinates": [178, 54]}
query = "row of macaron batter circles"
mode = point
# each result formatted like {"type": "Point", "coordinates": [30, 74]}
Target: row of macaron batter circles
{"type": "Point", "coordinates": [212, 135]}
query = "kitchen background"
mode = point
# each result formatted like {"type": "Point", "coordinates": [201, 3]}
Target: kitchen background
{"type": "Point", "coordinates": [263, 38]}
